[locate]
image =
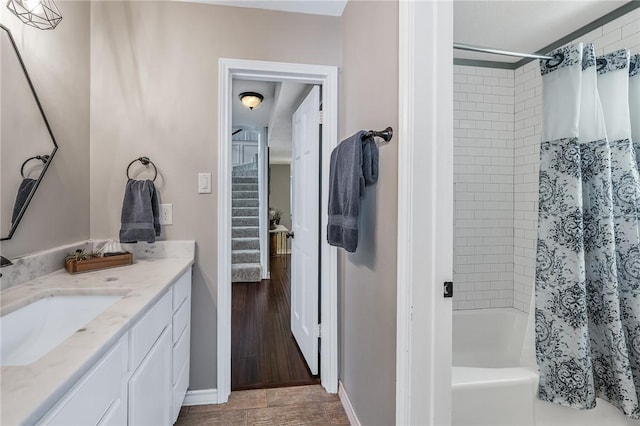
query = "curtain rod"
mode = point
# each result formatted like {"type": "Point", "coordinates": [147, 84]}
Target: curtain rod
{"type": "Point", "coordinates": [472, 48]}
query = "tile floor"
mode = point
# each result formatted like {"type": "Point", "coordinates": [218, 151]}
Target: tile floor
{"type": "Point", "coordinates": [299, 405]}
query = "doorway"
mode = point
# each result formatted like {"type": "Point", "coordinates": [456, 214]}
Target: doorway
{"type": "Point", "coordinates": [270, 140]}
{"type": "Point", "coordinates": [326, 78]}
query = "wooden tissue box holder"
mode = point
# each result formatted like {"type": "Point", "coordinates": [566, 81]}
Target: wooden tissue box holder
{"type": "Point", "coordinates": [97, 263]}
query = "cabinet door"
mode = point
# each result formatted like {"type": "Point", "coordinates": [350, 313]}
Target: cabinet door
{"type": "Point", "coordinates": [150, 388]}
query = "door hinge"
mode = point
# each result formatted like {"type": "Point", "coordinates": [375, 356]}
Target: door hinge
{"type": "Point", "coordinates": [319, 331]}
{"type": "Point", "coordinates": [321, 117]}
{"type": "Point", "coordinates": [448, 289]}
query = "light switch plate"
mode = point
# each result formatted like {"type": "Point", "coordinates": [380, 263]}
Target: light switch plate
{"type": "Point", "coordinates": [166, 214]}
{"type": "Point", "coordinates": [204, 183]}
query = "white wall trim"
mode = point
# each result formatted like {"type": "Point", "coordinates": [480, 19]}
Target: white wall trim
{"type": "Point", "coordinates": [327, 76]}
{"type": "Point", "coordinates": [200, 397]}
{"type": "Point", "coordinates": [263, 203]}
{"type": "Point", "coordinates": [425, 213]}
{"type": "Point", "coordinates": [223, 369]}
{"type": "Point", "coordinates": [346, 404]}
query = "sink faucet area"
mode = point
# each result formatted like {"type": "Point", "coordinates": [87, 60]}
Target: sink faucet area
{"type": "Point", "coordinates": [29, 333]}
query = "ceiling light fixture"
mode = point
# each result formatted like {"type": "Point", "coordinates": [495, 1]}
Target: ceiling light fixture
{"type": "Point", "coordinates": [41, 14]}
{"type": "Point", "coordinates": [251, 99]}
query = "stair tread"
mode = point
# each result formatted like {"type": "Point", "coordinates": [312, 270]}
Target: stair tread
{"type": "Point", "coordinates": [245, 265]}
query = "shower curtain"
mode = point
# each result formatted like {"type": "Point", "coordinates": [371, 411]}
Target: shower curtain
{"type": "Point", "coordinates": [588, 253]}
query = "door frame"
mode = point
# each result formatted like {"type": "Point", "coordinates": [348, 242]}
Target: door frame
{"type": "Point", "coordinates": [327, 77]}
{"type": "Point", "coordinates": [425, 213]}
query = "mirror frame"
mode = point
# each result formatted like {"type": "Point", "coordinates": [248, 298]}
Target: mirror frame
{"type": "Point", "coordinates": [15, 224]}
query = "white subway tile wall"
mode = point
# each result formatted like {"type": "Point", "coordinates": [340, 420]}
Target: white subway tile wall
{"type": "Point", "coordinates": [497, 127]}
{"type": "Point", "coordinates": [483, 180]}
{"type": "Point", "coordinates": [527, 129]}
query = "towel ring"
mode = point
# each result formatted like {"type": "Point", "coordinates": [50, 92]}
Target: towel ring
{"type": "Point", "coordinates": [145, 162]}
{"type": "Point", "coordinates": [43, 158]}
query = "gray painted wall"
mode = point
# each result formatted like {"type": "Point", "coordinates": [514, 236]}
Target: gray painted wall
{"type": "Point", "coordinates": [369, 99]}
{"type": "Point", "coordinates": [154, 92]}
{"type": "Point", "coordinates": [154, 81]}
{"type": "Point", "coordinates": [58, 64]}
{"type": "Point", "coordinates": [280, 190]}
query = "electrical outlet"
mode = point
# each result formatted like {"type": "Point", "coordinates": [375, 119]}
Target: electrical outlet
{"type": "Point", "coordinates": [166, 214]}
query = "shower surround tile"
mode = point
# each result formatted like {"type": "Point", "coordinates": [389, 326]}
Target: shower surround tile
{"type": "Point", "coordinates": [479, 163]}
{"type": "Point", "coordinates": [483, 182]}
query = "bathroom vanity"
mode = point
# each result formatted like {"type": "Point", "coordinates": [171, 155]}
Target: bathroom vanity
{"type": "Point", "coordinates": [127, 365]}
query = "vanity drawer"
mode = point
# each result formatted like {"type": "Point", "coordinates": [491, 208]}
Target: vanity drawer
{"type": "Point", "coordinates": [180, 389]}
{"type": "Point", "coordinates": [181, 289]}
{"type": "Point", "coordinates": [181, 319]}
{"type": "Point", "coordinates": [181, 353]}
{"type": "Point", "coordinates": [145, 333]}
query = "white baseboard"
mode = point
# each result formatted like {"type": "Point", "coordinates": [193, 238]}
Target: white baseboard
{"type": "Point", "coordinates": [200, 397]}
{"type": "Point", "coordinates": [346, 404]}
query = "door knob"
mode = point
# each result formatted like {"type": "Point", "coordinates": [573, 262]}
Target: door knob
{"type": "Point", "coordinates": [290, 234]}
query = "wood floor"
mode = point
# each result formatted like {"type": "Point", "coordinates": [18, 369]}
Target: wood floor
{"type": "Point", "coordinates": [300, 405]}
{"type": "Point", "coordinates": [264, 354]}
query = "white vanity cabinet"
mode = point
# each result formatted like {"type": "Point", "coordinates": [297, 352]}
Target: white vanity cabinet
{"type": "Point", "coordinates": [143, 378]}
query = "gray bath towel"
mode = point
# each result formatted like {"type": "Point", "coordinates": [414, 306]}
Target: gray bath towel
{"type": "Point", "coordinates": [24, 190]}
{"type": "Point", "coordinates": [140, 212]}
{"type": "Point", "coordinates": [354, 165]}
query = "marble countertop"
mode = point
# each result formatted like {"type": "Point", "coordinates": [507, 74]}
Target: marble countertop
{"type": "Point", "coordinates": [28, 392]}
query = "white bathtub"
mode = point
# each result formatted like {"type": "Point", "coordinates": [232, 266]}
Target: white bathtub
{"type": "Point", "coordinates": [495, 380]}
{"type": "Point", "coordinates": [490, 386]}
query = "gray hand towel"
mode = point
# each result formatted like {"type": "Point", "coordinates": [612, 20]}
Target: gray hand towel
{"type": "Point", "coordinates": [354, 165]}
{"type": "Point", "coordinates": [140, 212]}
{"type": "Point", "coordinates": [24, 190]}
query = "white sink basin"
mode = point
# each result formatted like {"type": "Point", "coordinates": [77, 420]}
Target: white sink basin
{"type": "Point", "coordinates": [29, 333]}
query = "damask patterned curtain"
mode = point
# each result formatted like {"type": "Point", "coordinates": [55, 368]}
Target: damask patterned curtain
{"type": "Point", "coordinates": [634, 102]}
{"type": "Point", "coordinates": [588, 255]}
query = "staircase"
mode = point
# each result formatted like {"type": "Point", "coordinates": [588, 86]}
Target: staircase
{"type": "Point", "coordinates": [245, 225]}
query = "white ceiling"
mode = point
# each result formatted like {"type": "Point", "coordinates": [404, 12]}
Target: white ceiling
{"type": "Point", "coordinates": [521, 26]}
{"type": "Point", "coordinates": [275, 112]}
{"type": "Point", "coordinates": [315, 7]}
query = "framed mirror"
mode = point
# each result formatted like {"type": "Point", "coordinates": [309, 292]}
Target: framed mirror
{"type": "Point", "coordinates": [27, 144]}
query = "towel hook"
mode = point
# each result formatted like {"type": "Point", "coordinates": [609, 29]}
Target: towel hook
{"type": "Point", "coordinates": [385, 134]}
{"type": "Point", "coordinates": [145, 162]}
{"type": "Point", "coordinates": [43, 158]}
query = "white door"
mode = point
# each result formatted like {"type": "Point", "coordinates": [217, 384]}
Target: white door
{"type": "Point", "coordinates": [305, 170]}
